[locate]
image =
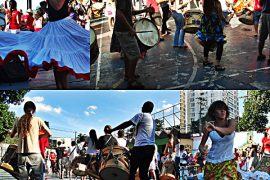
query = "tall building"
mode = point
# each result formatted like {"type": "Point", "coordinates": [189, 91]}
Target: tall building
{"type": "Point", "coordinates": [198, 102]}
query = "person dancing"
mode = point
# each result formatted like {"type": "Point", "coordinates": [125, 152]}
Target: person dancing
{"type": "Point", "coordinates": [27, 128]}
{"type": "Point", "coordinates": [211, 31]}
{"type": "Point", "coordinates": [220, 162]}
{"type": "Point", "coordinates": [143, 151]}
{"type": "Point", "coordinates": [13, 18]}
{"type": "Point", "coordinates": [61, 44]}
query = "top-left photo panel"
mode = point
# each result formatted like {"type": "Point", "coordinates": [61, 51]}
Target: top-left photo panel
{"type": "Point", "coordinates": [44, 44]}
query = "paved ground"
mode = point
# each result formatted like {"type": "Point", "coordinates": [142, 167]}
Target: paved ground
{"type": "Point", "coordinates": [45, 80]}
{"type": "Point", "coordinates": [167, 68]}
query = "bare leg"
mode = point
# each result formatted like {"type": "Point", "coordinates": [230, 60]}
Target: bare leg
{"type": "Point", "coordinates": [256, 29]}
{"type": "Point", "coordinates": [260, 47]}
{"type": "Point", "coordinates": [60, 79]}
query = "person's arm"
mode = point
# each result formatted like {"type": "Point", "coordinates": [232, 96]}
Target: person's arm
{"type": "Point", "coordinates": [136, 12]}
{"type": "Point", "coordinates": [206, 132]}
{"type": "Point", "coordinates": [19, 18]}
{"type": "Point", "coordinates": [165, 152]}
{"type": "Point", "coordinates": [47, 131]}
{"type": "Point", "coordinates": [124, 125]}
{"type": "Point", "coordinates": [14, 129]}
{"type": "Point", "coordinates": [120, 15]}
{"type": "Point", "coordinates": [57, 4]}
{"type": "Point", "coordinates": [227, 130]}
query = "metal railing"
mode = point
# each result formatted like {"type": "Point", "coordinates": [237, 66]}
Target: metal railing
{"type": "Point", "coordinates": [170, 116]}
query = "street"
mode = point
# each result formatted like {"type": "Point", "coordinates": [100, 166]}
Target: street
{"type": "Point", "coordinates": [165, 67]}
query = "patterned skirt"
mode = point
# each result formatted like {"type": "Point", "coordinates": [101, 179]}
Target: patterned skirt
{"type": "Point", "coordinates": [220, 170]}
{"type": "Point", "coordinates": [264, 165]}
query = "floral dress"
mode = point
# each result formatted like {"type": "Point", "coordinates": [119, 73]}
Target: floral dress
{"type": "Point", "coordinates": [210, 29]}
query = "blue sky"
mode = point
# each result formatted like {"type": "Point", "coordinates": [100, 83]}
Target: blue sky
{"type": "Point", "coordinates": [83, 110]}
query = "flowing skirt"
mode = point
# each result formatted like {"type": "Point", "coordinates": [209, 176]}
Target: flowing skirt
{"type": "Point", "coordinates": [60, 44]}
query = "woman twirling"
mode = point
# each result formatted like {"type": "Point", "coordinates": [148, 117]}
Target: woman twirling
{"type": "Point", "coordinates": [220, 162]}
{"type": "Point", "coordinates": [61, 44]}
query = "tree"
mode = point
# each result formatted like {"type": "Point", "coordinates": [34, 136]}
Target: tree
{"type": "Point", "coordinates": [256, 108]}
{"type": "Point", "coordinates": [159, 124]}
{"type": "Point", "coordinates": [7, 118]}
{"type": "Point", "coordinates": [196, 125]}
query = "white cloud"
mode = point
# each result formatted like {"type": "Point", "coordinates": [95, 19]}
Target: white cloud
{"type": "Point", "coordinates": [41, 107]}
{"type": "Point", "coordinates": [92, 107]}
{"type": "Point", "coordinates": [38, 99]}
{"type": "Point", "coordinates": [164, 101]}
{"type": "Point", "coordinates": [87, 113]}
{"type": "Point", "coordinates": [165, 106]}
{"type": "Point", "coordinates": [122, 91]}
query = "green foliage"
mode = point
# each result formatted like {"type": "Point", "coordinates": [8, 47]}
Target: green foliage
{"type": "Point", "coordinates": [12, 97]}
{"type": "Point", "coordinates": [256, 107]}
{"type": "Point", "coordinates": [7, 118]}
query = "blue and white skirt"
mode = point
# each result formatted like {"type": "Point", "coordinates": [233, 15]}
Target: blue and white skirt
{"type": "Point", "coordinates": [61, 44]}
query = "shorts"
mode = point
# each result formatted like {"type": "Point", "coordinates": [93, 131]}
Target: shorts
{"type": "Point", "coordinates": [264, 27]}
{"type": "Point", "coordinates": [129, 45]}
{"type": "Point", "coordinates": [256, 17]}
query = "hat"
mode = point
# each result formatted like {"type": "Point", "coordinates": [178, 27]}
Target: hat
{"type": "Point", "coordinates": [29, 11]}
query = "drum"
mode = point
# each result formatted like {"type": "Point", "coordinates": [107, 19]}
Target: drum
{"type": "Point", "coordinates": [94, 51]}
{"type": "Point", "coordinates": [167, 171]}
{"type": "Point", "coordinates": [247, 18]}
{"type": "Point", "coordinates": [192, 20]}
{"type": "Point", "coordinates": [79, 166]}
{"type": "Point", "coordinates": [238, 7]}
{"type": "Point", "coordinates": [9, 160]}
{"type": "Point", "coordinates": [114, 164]}
{"type": "Point", "coordinates": [147, 33]}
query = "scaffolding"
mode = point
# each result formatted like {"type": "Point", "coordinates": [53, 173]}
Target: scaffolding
{"type": "Point", "coordinates": [171, 116]}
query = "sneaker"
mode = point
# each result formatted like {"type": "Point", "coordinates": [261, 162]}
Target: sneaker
{"type": "Point", "coordinates": [135, 85]}
{"type": "Point", "coordinates": [261, 57]}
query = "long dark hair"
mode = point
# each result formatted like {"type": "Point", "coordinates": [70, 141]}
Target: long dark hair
{"type": "Point", "coordinates": [217, 105]}
{"type": "Point", "coordinates": [13, 6]}
{"type": "Point", "coordinates": [208, 6]}
{"type": "Point", "coordinates": [24, 124]}
{"type": "Point", "coordinates": [93, 136]}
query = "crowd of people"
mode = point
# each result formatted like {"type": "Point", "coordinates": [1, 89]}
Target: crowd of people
{"type": "Point", "coordinates": [214, 17]}
{"type": "Point", "coordinates": [142, 157]}
{"type": "Point", "coordinates": [221, 160]}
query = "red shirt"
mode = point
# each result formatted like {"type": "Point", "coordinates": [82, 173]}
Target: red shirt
{"type": "Point", "coordinates": [154, 4]}
{"type": "Point", "coordinates": [13, 21]}
{"type": "Point", "coordinates": [53, 157]}
{"type": "Point", "coordinates": [43, 143]}
{"type": "Point", "coordinates": [266, 145]}
{"type": "Point", "coordinates": [29, 22]}
{"type": "Point", "coordinates": [257, 6]}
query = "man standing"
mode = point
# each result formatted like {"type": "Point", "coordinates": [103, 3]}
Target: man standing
{"type": "Point", "coordinates": [107, 139]}
{"type": "Point", "coordinates": [125, 34]}
{"type": "Point", "coordinates": [143, 150]}
{"type": "Point", "coordinates": [264, 28]}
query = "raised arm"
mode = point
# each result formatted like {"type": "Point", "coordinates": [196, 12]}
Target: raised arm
{"type": "Point", "coordinates": [227, 130]}
{"type": "Point", "coordinates": [123, 125]}
{"type": "Point", "coordinates": [57, 4]}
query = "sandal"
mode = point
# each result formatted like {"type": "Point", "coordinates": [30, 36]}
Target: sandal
{"type": "Point", "coordinates": [207, 63]}
{"type": "Point", "coordinates": [219, 68]}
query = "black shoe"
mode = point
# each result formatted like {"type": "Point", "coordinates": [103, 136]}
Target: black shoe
{"type": "Point", "coordinates": [168, 32]}
{"type": "Point", "coordinates": [168, 29]}
{"type": "Point", "coordinates": [261, 57]}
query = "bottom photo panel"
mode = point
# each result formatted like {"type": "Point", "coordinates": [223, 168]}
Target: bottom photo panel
{"type": "Point", "coordinates": [128, 135]}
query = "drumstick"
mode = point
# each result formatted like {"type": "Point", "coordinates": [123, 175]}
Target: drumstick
{"type": "Point", "coordinates": [143, 31]}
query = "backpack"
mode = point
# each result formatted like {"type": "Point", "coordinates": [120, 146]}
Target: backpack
{"type": "Point", "coordinates": [13, 71]}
